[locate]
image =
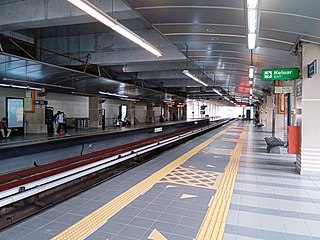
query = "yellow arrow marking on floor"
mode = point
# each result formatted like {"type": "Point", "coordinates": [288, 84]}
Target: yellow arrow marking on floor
{"type": "Point", "coordinates": [215, 220]}
{"type": "Point", "coordinates": [156, 235]}
{"type": "Point", "coordinates": [95, 220]}
{"type": "Point", "coordinates": [185, 196]}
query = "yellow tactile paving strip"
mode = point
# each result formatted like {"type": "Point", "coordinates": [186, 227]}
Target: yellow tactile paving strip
{"type": "Point", "coordinates": [192, 177]}
{"type": "Point", "coordinates": [213, 225]}
{"type": "Point", "coordinates": [92, 222]}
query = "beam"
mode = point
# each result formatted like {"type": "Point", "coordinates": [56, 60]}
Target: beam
{"type": "Point", "coordinates": [47, 13]}
{"type": "Point", "coordinates": [109, 48]}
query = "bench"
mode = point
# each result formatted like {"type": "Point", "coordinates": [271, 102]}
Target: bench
{"type": "Point", "coordinates": [260, 125]}
{"type": "Point", "coordinates": [273, 142]}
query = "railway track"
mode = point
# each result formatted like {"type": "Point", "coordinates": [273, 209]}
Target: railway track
{"type": "Point", "coordinates": [30, 191]}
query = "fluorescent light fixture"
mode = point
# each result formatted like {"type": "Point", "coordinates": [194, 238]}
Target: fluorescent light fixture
{"type": "Point", "coordinates": [113, 94]}
{"type": "Point", "coordinates": [252, 22]}
{"type": "Point", "coordinates": [252, 3]}
{"type": "Point", "coordinates": [251, 71]}
{"type": "Point", "coordinates": [226, 98]}
{"type": "Point", "coordinates": [83, 94]}
{"type": "Point", "coordinates": [20, 87]}
{"type": "Point", "coordinates": [130, 99]}
{"type": "Point", "coordinates": [37, 83]}
{"type": "Point", "coordinates": [217, 92]}
{"type": "Point", "coordinates": [104, 18]}
{"type": "Point", "coordinates": [190, 75]}
{"type": "Point", "coordinates": [252, 37]}
{"type": "Point", "coordinates": [251, 90]}
{"type": "Point", "coordinates": [250, 82]}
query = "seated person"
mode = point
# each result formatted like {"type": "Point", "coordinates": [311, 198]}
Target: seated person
{"type": "Point", "coordinates": [161, 118]}
{"type": "Point", "coordinates": [5, 131]}
{"type": "Point", "coordinates": [128, 122]}
{"type": "Point", "coordinates": [119, 121]}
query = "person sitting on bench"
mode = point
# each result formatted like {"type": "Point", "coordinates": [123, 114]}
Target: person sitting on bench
{"type": "Point", "coordinates": [5, 131]}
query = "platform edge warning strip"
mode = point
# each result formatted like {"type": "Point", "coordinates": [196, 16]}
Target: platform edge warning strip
{"type": "Point", "coordinates": [214, 222]}
{"type": "Point", "coordinates": [92, 222]}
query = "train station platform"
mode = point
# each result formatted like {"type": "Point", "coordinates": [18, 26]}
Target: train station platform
{"type": "Point", "coordinates": [220, 185]}
{"type": "Point", "coordinates": [72, 132]}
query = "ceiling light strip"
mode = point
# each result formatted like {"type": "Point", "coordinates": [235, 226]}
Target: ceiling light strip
{"type": "Point", "coordinates": [37, 83]}
{"type": "Point", "coordinates": [190, 75]}
{"type": "Point", "coordinates": [217, 92]}
{"type": "Point", "coordinates": [113, 94]}
{"type": "Point", "coordinates": [251, 72]}
{"type": "Point", "coordinates": [104, 18]}
{"type": "Point", "coordinates": [252, 22]}
{"type": "Point", "coordinates": [20, 87]}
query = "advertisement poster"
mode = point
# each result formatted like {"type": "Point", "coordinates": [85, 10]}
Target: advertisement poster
{"type": "Point", "coordinates": [15, 112]}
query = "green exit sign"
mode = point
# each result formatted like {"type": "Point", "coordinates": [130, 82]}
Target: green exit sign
{"type": "Point", "coordinates": [280, 74]}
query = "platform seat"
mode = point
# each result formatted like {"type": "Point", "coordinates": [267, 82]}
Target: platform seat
{"type": "Point", "coordinates": [273, 142]}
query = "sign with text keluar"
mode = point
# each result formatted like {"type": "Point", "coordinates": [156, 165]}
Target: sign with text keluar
{"type": "Point", "coordinates": [280, 74]}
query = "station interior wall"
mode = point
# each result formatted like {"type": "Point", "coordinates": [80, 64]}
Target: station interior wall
{"type": "Point", "coordinates": [76, 106]}
{"type": "Point", "coordinates": [111, 107]}
{"type": "Point", "coordinates": [73, 106]}
{"type": "Point", "coordinates": [140, 113]}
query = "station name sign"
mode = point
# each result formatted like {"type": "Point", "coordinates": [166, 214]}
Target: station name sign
{"type": "Point", "coordinates": [280, 74]}
{"type": "Point", "coordinates": [312, 69]}
{"type": "Point", "coordinates": [41, 102]}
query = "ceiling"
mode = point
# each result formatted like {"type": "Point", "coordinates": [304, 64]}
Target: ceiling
{"type": "Point", "coordinates": [208, 37]}
{"type": "Point", "coordinates": [18, 71]}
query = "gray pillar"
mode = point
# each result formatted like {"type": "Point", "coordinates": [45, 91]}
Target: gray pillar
{"type": "Point", "coordinates": [95, 107]}
{"type": "Point", "coordinates": [308, 161]}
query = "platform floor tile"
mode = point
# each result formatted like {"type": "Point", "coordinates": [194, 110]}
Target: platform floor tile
{"type": "Point", "coordinates": [270, 192]}
{"type": "Point", "coordinates": [174, 209]}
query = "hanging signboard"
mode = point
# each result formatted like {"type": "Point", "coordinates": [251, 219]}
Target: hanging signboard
{"type": "Point", "coordinates": [280, 74]}
{"type": "Point", "coordinates": [277, 89]}
{"type": "Point", "coordinates": [286, 89]}
{"type": "Point", "coordinates": [299, 88]}
{"type": "Point", "coordinates": [312, 69]}
{"type": "Point", "coordinates": [283, 90]}
{"type": "Point", "coordinates": [41, 102]}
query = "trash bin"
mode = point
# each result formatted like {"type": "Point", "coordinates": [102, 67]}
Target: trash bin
{"type": "Point", "coordinates": [294, 139]}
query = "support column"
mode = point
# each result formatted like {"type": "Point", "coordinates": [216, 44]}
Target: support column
{"type": "Point", "coordinates": [166, 111]}
{"type": "Point", "coordinates": [95, 107]}
{"type": "Point", "coordinates": [35, 122]}
{"type": "Point", "coordinates": [308, 161]}
{"type": "Point", "coordinates": [150, 113]}
{"type": "Point", "coordinates": [266, 114]}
